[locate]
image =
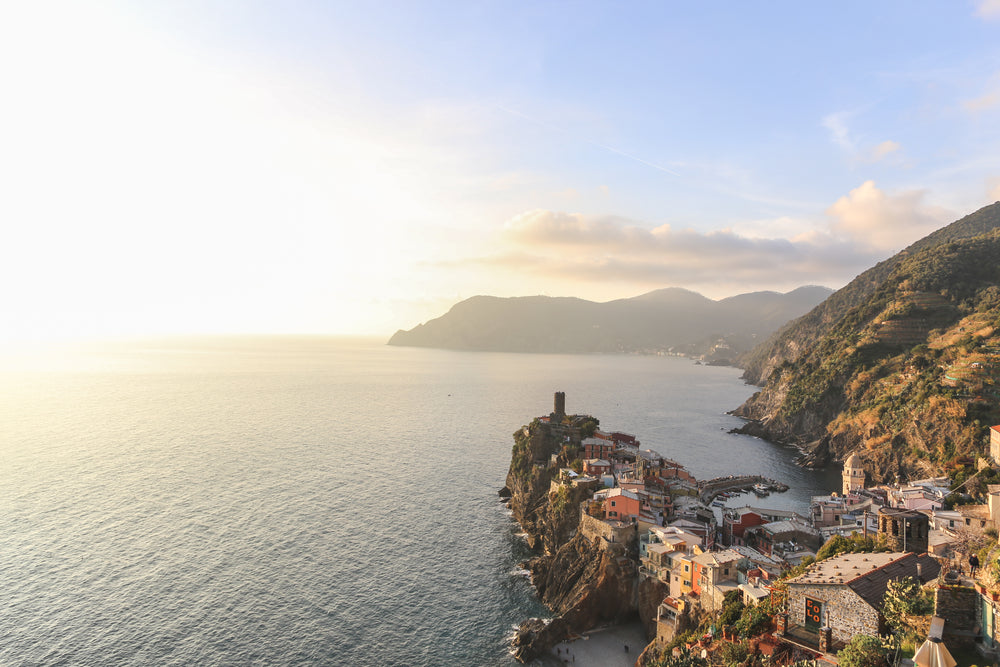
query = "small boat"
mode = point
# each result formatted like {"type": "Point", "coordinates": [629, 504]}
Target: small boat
{"type": "Point", "coordinates": [718, 503]}
{"type": "Point", "coordinates": [761, 490]}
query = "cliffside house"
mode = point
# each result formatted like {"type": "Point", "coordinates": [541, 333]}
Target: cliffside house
{"type": "Point", "coordinates": [668, 616]}
{"type": "Point", "coordinates": [666, 553]}
{"type": "Point", "coordinates": [596, 467]}
{"type": "Point", "coordinates": [620, 504]}
{"type": "Point", "coordinates": [845, 592]}
{"type": "Point", "coordinates": [665, 540]}
{"type": "Point", "coordinates": [624, 440]}
{"type": "Point", "coordinates": [715, 574]}
{"type": "Point", "coordinates": [596, 448]}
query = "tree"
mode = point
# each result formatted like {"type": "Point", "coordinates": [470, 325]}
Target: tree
{"type": "Point", "coordinates": [904, 596]}
{"type": "Point", "coordinates": [863, 651]}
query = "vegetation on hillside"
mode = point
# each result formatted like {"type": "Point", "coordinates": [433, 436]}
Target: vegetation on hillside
{"type": "Point", "coordinates": [799, 336]}
{"type": "Point", "coordinates": [909, 375]}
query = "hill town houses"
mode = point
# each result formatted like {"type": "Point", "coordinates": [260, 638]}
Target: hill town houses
{"type": "Point", "coordinates": [706, 538]}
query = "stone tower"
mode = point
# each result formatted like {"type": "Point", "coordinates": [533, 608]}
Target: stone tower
{"type": "Point", "coordinates": [903, 530]}
{"type": "Point", "coordinates": [560, 404]}
{"type": "Point", "coordinates": [854, 474]}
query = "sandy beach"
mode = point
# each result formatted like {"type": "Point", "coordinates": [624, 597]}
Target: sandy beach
{"type": "Point", "coordinates": [604, 648]}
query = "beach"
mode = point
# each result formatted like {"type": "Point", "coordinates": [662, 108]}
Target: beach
{"type": "Point", "coordinates": [604, 647]}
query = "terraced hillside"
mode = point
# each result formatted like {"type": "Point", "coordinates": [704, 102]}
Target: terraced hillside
{"type": "Point", "coordinates": [908, 377]}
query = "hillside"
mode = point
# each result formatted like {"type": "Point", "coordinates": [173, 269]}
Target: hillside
{"type": "Point", "coordinates": [907, 374]}
{"type": "Point", "coordinates": [667, 320]}
{"type": "Point", "coordinates": [798, 336]}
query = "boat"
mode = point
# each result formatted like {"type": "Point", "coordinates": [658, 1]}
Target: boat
{"type": "Point", "coordinates": [718, 503]}
{"type": "Point", "coordinates": [761, 490]}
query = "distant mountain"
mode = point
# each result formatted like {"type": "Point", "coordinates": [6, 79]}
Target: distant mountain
{"type": "Point", "coordinates": [667, 320]}
{"type": "Point", "coordinates": [899, 366]}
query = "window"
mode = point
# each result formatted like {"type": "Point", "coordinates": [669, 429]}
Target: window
{"type": "Point", "coordinates": [612, 503]}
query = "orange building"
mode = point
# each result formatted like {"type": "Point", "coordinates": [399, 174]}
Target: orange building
{"type": "Point", "coordinates": [620, 504]}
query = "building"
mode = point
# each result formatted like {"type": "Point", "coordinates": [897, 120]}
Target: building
{"type": "Point", "coordinates": [736, 521]}
{"type": "Point", "coordinates": [995, 444]}
{"type": "Point", "coordinates": [779, 538]}
{"type": "Point", "coordinates": [715, 574]}
{"type": "Point", "coordinates": [597, 467]}
{"type": "Point", "coordinates": [597, 448]}
{"type": "Point", "coordinates": [619, 504]}
{"type": "Point", "coordinates": [904, 530]}
{"type": "Point", "coordinates": [853, 475]}
{"type": "Point", "coordinates": [844, 593]}
{"type": "Point", "coordinates": [668, 618]}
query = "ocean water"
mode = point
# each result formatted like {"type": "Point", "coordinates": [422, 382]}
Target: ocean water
{"type": "Point", "coordinates": [279, 501]}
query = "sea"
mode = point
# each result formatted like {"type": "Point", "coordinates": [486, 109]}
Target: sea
{"type": "Point", "coordinates": [306, 500]}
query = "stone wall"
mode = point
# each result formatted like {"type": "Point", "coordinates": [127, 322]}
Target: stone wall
{"type": "Point", "coordinates": [843, 610]}
{"type": "Point", "coordinates": [596, 529]}
{"type": "Point", "coordinates": [961, 608]}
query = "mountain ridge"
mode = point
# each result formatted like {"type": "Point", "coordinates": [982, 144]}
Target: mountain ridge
{"type": "Point", "coordinates": [669, 320]}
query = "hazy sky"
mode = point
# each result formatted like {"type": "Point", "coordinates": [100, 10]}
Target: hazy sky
{"type": "Point", "coordinates": [358, 167]}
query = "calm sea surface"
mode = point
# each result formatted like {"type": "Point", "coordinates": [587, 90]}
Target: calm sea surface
{"type": "Point", "coordinates": [304, 500]}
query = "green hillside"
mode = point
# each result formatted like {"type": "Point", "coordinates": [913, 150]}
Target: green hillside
{"type": "Point", "coordinates": [801, 335]}
{"type": "Point", "coordinates": [908, 375]}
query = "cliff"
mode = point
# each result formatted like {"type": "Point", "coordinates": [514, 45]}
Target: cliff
{"type": "Point", "coordinates": [661, 321]}
{"type": "Point", "coordinates": [585, 581]}
{"type": "Point", "coordinates": [903, 370]}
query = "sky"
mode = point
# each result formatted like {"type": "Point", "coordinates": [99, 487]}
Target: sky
{"type": "Point", "coordinates": [352, 167]}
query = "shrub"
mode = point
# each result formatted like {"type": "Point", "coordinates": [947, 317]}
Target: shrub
{"type": "Point", "coordinates": [863, 651]}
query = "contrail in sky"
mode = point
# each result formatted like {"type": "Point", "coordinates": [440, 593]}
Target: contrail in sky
{"type": "Point", "coordinates": [611, 149]}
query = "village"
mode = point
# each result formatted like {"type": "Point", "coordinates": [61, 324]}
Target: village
{"type": "Point", "coordinates": [707, 555]}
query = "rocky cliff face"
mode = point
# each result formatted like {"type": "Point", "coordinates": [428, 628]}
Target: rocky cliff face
{"type": "Point", "coordinates": [548, 523]}
{"type": "Point", "coordinates": [586, 584]}
{"type": "Point", "coordinates": [651, 594]}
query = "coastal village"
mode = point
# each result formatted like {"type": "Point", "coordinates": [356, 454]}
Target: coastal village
{"type": "Point", "coordinates": [720, 582]}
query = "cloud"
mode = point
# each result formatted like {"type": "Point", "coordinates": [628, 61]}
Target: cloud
{"type": "Point", "coordinates": [878, 221]}
{"type": "Point", "coordinates": [603, 249]}
{"type": "Point", "coordinates": [861, 228]}
{"type": "Point", "coordinates": [841, 135]}
{"type": "Point", "coordinates": [988, 9]}
{"type": "Point", "coordinates": [884, 149]}
{"type": "Point", "coordinates": [993, 185]}
{"type": "Point", "coordinates": [985, 102]}
{"type": "Point", "coordinates": [836, 123]}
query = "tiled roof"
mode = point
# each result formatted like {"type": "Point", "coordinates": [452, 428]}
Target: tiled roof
{"type": "Point", "coordinates": [872, 587]}
{"type": "Point", "coordinates": [868, 574]}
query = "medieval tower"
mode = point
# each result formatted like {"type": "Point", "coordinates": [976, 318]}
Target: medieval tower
{"type": "Point", "coordinates": [560, 404]}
